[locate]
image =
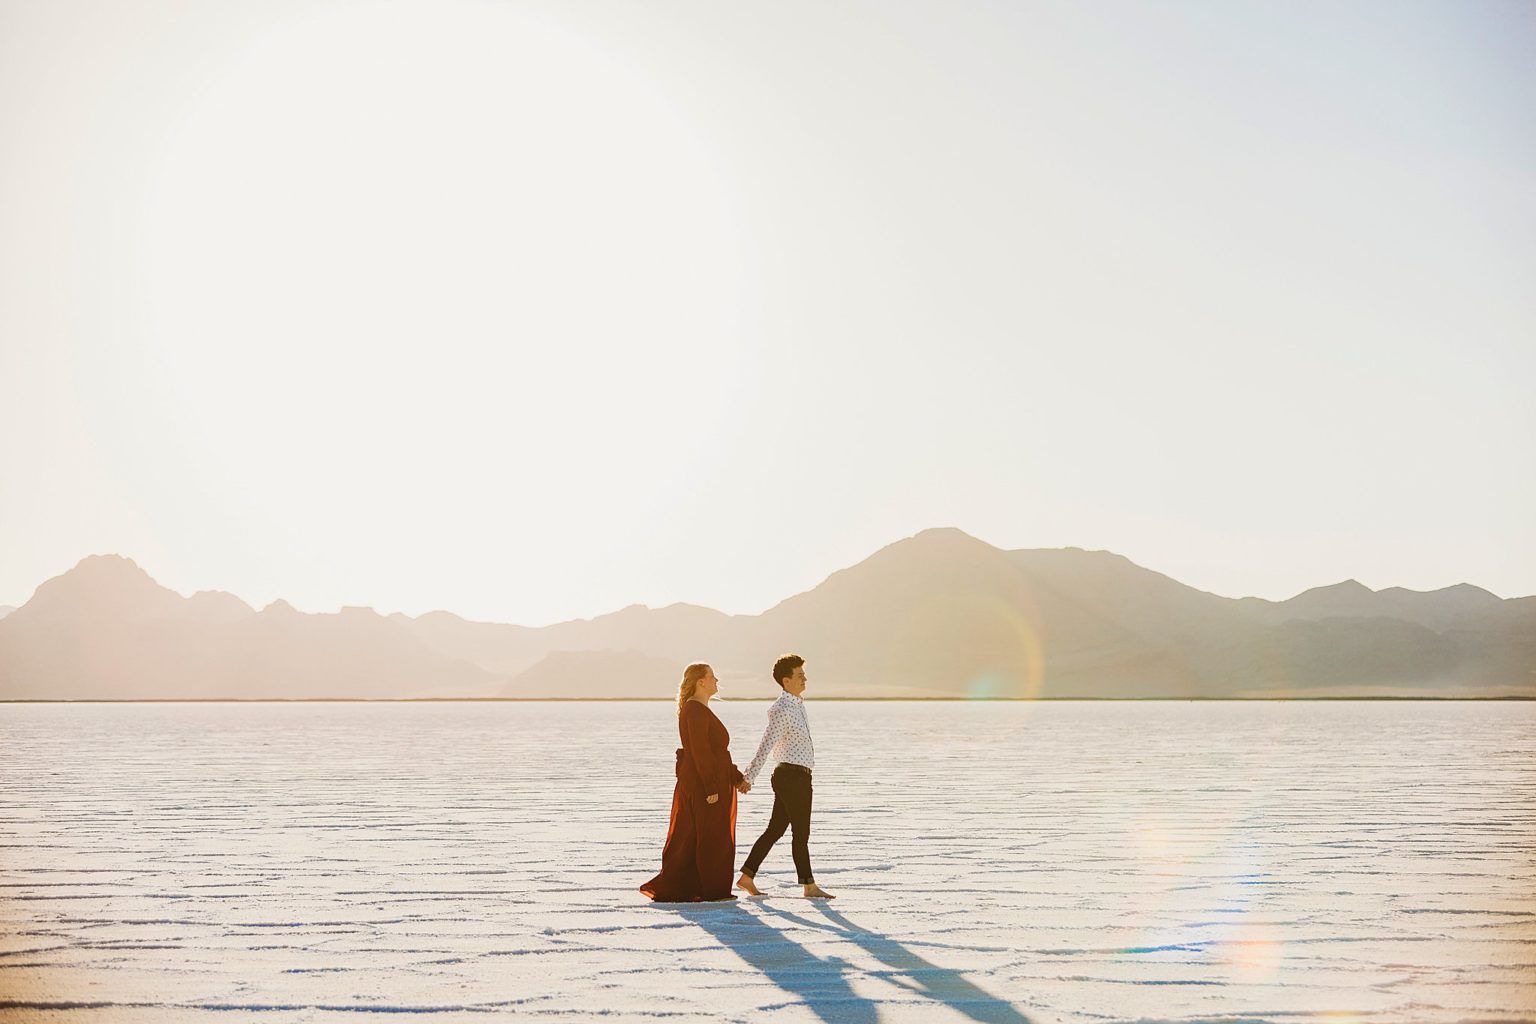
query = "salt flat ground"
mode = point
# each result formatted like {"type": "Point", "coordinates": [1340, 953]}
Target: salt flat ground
{"type": "Point", "coordinates": [995, 862]}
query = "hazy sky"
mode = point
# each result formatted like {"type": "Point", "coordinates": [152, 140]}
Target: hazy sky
{"type": "Point", "coordinates": [533, 310]}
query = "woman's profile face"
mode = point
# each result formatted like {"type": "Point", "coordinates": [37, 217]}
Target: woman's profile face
{"type": "Point", "coordinates": [709, 685]}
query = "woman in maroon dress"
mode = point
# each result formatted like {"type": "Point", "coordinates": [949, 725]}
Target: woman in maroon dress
{"type": "Point", "coordinates": [700, 854]}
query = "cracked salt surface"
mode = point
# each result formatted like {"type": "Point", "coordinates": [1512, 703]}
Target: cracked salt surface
{"type": "Point", "coordinates": [1368, 862]}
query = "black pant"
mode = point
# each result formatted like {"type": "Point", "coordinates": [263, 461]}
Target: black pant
{"type": "Point", "coordinates": [791, 809]}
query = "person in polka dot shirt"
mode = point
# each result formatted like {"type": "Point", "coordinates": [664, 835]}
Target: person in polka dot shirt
{"type": "Point", "coordinates": [787, 740]}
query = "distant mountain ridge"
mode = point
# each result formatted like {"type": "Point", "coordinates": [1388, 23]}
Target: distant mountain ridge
{"type": "Point", "coordinates": [939, 614]}
{"type": "Point", "coordinates": [106, 630]}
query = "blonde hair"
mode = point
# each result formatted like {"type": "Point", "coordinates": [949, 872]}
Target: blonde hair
{"type": "Point", "coordinates": [691, 678]}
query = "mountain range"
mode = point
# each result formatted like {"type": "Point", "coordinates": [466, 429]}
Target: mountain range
{"type": "Point", "coordinates": [939, 614]}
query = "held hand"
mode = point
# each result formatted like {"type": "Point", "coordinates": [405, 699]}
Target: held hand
{"type": "Point", "coordinates": [745, 786]}
{"type": "Point", "coordinates": [712, 798]}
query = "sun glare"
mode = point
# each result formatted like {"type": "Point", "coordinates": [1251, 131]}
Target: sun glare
{"type": "Point", "coordinates": [477, 233]}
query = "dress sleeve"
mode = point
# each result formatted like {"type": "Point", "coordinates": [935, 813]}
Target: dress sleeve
{"type": "Point", "coordinates": [698, 747]}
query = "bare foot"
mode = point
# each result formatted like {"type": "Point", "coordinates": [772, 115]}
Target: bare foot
{"type": "Point", "coordinates": [815, 890]}
{"type": "Point", "coordinates": [745, 882]}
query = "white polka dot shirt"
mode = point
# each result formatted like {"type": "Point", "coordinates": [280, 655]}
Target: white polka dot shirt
{"type": "Point", "coordinates": [787, 738]}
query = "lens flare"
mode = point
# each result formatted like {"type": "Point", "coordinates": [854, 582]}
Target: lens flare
{"type": "Point", "coordinates": [983, 647]}
{"type": "Point", "coordinates": [1253, 954]}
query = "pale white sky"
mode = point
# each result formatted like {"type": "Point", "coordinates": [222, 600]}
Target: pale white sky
{"type": "Point", "coordinates": [533, 310]}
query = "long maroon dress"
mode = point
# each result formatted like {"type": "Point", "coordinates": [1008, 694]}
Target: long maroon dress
{"type": "Point", "coordinates": [700, 852]}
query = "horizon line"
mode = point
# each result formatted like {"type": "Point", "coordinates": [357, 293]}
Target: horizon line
{"type": "Point", "coordinates": [737, 700]}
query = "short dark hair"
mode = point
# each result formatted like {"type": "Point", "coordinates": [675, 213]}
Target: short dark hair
{"type": "Point", "coordinates": [785, 667]}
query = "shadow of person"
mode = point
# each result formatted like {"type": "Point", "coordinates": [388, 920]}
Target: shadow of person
{"type": "Point", "coordinates": [913, 973]}
{"type": "Point", "coordinates": [820, 983]}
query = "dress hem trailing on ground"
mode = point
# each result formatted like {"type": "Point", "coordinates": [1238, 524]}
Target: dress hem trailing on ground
{"type": "Point", "coordinates": [700, 852]}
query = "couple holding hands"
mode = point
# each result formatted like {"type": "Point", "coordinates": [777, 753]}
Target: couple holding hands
{"type": "Point", "coordinates": [700, 851]}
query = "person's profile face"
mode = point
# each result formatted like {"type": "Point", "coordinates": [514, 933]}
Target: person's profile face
{"type": "Point", "coordinates": [795, 684]}
{"type": "Point", "coordinates": [709, 685]}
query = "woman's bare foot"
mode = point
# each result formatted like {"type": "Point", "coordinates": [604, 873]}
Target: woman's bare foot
{"type": "Point", "coordinates": [745, 883]}
{"type": "Point", "coordinates": [815, 890]}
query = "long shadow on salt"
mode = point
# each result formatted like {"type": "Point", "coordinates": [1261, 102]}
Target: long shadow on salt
{"type": "Point", "coordinates": [821, 983]}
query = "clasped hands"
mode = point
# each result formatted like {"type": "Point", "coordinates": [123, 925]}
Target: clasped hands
{"type": "Point", "coordinates": [741, 787]}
